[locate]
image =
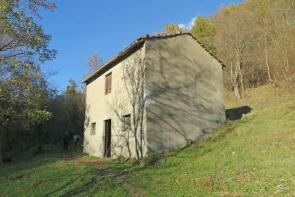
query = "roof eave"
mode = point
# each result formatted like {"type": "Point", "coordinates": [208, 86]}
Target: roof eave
{"type": "Point", "coordinates": [138, 43]}
{"type": "Point", "coordinates": [115, 59]}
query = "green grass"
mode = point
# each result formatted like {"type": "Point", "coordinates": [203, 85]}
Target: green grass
{"type": "Point", "coordinates": [58, 175]}
{"type": "Point", "coordinates": [253, 156]}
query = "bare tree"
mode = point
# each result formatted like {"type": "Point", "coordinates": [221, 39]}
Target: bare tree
{"type": "Point", "coordinates": [133, 79]}
{"type": "Point", "coordinates": [94, 61]}
{"type": "Point", "coordinates": [233, 41]}
{"type": "Point", "coordinates": [172, 28]}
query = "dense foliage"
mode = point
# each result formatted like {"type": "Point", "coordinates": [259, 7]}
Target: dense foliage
{"type": "Point", "coordinates": [29, 107]}
{"type": "Point", "coordinates": [68, 111]}
{"type": "Point", "coordinates": [255, 39]}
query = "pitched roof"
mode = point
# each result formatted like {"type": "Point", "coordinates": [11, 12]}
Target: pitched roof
{"type": "Point", "coordinates": [138, 43]}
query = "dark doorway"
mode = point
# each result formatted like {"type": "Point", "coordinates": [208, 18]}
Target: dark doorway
{"type": "Point", "coordinates": [107, 138]}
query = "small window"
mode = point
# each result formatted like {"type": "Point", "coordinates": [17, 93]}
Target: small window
{"type": "Point", "coordinates": [93, 128]}
{"type": "Point", "coordinates": [108, 83]}
{"type": "Point", "coordinates": [126, 122]}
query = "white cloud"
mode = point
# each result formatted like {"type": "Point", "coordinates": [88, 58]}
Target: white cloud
{"type": "Point", "coordinates": [189, 25]}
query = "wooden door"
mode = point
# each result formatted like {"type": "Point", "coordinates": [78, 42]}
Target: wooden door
{"type": "Point", "coordinates": [107, 137]}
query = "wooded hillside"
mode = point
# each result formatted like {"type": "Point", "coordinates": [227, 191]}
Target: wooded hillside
{"type": "Point", "coordinates": [255, 40]}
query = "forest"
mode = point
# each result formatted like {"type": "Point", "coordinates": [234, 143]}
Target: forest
{"type": "Point", "coordinates": [256, 42]}
{"type": "Point", "coordinates": [254, 39]}
{"type": "Point", "coordinates": [33, 114]}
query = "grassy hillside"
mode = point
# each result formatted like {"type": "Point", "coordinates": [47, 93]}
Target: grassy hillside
{"type": "Point", "coordinates": [252, 155]}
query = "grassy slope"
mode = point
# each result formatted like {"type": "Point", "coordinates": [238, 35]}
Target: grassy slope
{"type": "Point", "coordinates": [253, 156]}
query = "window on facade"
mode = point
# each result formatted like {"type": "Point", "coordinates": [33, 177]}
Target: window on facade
{"type": "Point", "coordinates": [108, 83]}
{"type": "Point", "coordinates": [126, 122]}
{"type": "Point", "coordinates": [93, 128]}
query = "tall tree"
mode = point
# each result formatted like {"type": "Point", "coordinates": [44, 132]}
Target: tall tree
{"type": "Point", "coordinates": [204, 31]}
{"type": "Point", "coordinates": [234, 42]}
{"type": "Point", "coordinates": [23, 46]}
{"type": "Point", "coordinates": [23, 100]}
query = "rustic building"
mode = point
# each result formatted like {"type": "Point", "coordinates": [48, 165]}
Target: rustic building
{"type": "Point", "coordinates": [160, 93]}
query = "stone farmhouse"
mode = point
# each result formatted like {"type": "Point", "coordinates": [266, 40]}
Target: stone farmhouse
{"type": "Point", "coordinates": [162, 92]}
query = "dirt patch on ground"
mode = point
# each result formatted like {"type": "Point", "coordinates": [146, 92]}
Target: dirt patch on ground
{"type": "Point", "coordinates": [19, 175]}
{"type": "Point", "coordinates": [132, 190]}
{"type": "Point", "coordinates": [98, 164]}
{"type": "Point", "coordinates": [106, 171]}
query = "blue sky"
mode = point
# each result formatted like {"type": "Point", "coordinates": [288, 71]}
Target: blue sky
{"type": "Point", "coordinates": [80, 28]}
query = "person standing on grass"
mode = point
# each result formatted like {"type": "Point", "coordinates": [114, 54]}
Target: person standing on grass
{"type": "Point", "coordinates": [66, 140]}
{"type": "Point", "coordinates": [76, 139]}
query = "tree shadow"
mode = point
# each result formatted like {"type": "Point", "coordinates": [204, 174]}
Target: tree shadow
{"type": "Point", "coordinates": [185, 94]}
{"type": "Point", "coordinates": [114, 172]}
{"type": "Point", "coordinates": [237, 113]}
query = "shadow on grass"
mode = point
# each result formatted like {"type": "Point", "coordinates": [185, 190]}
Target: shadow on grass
{"type": "Point", "coordinates": [23, 167]}
{"type": "Point", "coordinates": [19, 169]}
{"type": "Point", "coordinates": [116, 172]}
{"type": "Point", "coordinates": [237, 113]}
{"type": "Point", "coordinates": [99, 174]}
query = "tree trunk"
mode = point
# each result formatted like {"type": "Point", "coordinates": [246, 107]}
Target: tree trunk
{"type": "Point", "coordinates": [237, 91]}
{"type": "Point", "coordinates": [136, 146]}
{"type": "Point", "coordinates": [141, 144]}
{"type": "Point", "coordinates": [128, 144]}
{"type": "Point", "coordinates": [241, 82]}
{"type": "Point", "coordinates": [141, 130]}
{"type": "Point", "coordinates": [289, 80]}
{"type": "Point", "coordinates": [240, 74]}
{"type": "Point", "coordinates": [1, 146]}
{"type": "Point", "coordinates": [237, 76]}
{"type": "Point", "coordinates": [266, 60]}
